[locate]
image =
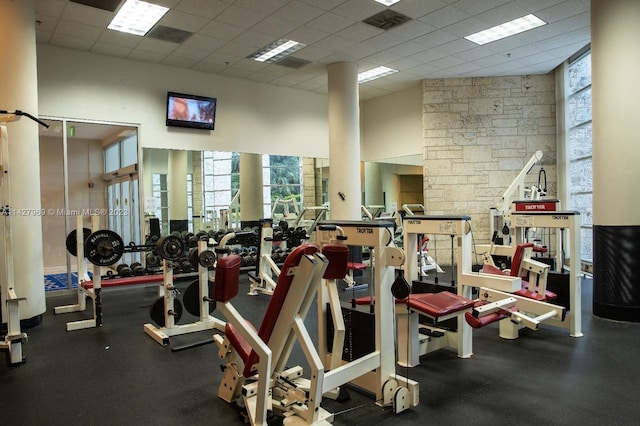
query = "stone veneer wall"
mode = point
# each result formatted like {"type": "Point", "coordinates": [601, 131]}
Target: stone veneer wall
{"type": "Point", "coordinates": [478, 134]}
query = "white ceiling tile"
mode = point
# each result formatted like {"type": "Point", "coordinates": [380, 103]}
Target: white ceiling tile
{"type": "Point", "coordinates": [443, 17]}
{"type": "Point", "coordinates": [260, 77]}
{"type": "Point", "coordinates": [408, 48]}
{"type": "Point", "coordinates": [235, 72]}
{"type": "Point", "coordinates": [177, 61]}
{"type": "Point", "coordinates": [119, 38]}
{"type": "Point", "coordinates": [411, 30]}
{"type": "Point", "coordinates": [46, 23]}
{"type": "Point", "coordinates": [111, 50]}
{"type": "Point", "coordinates": [275, 70]}
{"type": "Point", "coordinates": [330, 23]}
{"type": "Point", "coordinates": [206, 8]}
{"type": "Point", "coordinates": [208, 67]}
{"type": "Point", "coordinates": [417, 8]}
{"type": "Point", "coordinates": [358, 51]}
{"type": "Point", "coordinates": [533, 6]}
{"type": "Point", "coordinates": [359, 32]}
{"type": "Point", "coordinates": [436, 38]}
{"type": "Point", "coordinates": [456, 46]}
{"type": "Point", "coordinates": [146, 56]}
{"type": "Point", "coordinates": [332, 42]}
{"type": "Point", "coordinates": [467, 26]}
{"type": "Point", "coordinates": [464, 68]}
{"type": "Point", "coordinates": [324, 4]}
{"type": "Point", "coordinates": [71, 42]}
{"type": "Point", "coordinates": [236, 49]}
{"type": "Point", "coordinates": [298, 12]}
{"type": "Point", "coordinates": [474, 7]}
{"type": "Point", "coordinates": [158, 46]}
{"type": "Point", "coordinates": [222, 59]}
{"type": "Point", "coordinates": [358, 9]}
{"type": "Point", "coordinates": [383, 57]}
{"type": "Point", "coordinates": [221, 30]}
{"type": "Point", "coordinates": [384, 41]}
{"type": "Point", "coordinates": [502, 14]}
{"type": "Point", "coordinates": [562, 11]}
{"type": "Point", "coordinates": [275, 26]}
{"type": "Point", "coordinates": [403, 64]}
{"type": "Point", "coordinates": [189, 52]}
{"type": "Point", "coordinates": [429, 55]}
{"type": "Point", "coordinates": [250, 65]}
{"type": "Point", "coordinates": [240, 16]}
{"type": "Point", "coordinates": [84, 14]}
{"type": "Point", "coordinates": [446, 62]}
{"type": "Point", "coordinates": [204, 42]}
{"type": "Point", "coordinates": [306, 35]}
{"type": "Point", "coordinates": [78, 30]}
{"type": "Point", "coordinates": [255, 39]}
{"type": "Point", "coordinates": [264, 6]}
{"type": "Point", "coordinates": [184, 21]}
{"type": "Point", "coordinates": [312, 53]}
{"type": "Point", "coordinates": [50, 7]}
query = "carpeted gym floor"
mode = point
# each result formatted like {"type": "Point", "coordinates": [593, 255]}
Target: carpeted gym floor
{"type": "Point", "coordinates": [117, 375]}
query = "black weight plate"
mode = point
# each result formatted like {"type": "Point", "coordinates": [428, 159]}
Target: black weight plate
{"type": "Point", "coordinates": [72, 244]}
{"type": "Point", "coordinates": [170, 247]}
{"type": "Point", "coordinates": [193, 257]}
{"type": "Point", "coordinates": [103, 248]}
{"type": "Point", "coordinates": [191, 299]}
{"type": "Point", "coordinates": [207, 259]}
{"type": "Point", "coordinates": [157, 311]}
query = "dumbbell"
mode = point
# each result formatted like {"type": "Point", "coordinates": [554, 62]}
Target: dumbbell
{"type": "Point", "coordinates": [152, 260]}
{"type": "Point", "coordinates": [137, 268]}
{"type": "Point", "coordinates": [124, 270]}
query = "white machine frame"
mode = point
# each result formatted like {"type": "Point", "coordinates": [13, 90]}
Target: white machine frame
{"type": "Point", "coordinates": [376, 371]}
{"type": "Point", "coordinates": [264, 282]}
{"type": "Point", "coordinates": [410, 347]}
{"type": "Point", "coordinates": [560, 221]}
{"type": "Point", "coordinates": [14, 338]}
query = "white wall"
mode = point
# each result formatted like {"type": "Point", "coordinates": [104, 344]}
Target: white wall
{"type": "Point", "coordinates": [251, 117]}
{"type": "Point", "coordinates": [391, 126]}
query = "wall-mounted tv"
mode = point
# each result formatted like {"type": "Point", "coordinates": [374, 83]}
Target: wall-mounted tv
{"type": "Point", "coordinates": [198, 112]}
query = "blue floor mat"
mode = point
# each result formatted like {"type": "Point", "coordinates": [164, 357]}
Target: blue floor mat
{"type": "Point", "coordinates": [53, 282]}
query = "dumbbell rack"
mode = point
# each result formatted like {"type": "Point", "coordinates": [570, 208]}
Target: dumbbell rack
{"type": "Point", "coordinates": [163, 333]}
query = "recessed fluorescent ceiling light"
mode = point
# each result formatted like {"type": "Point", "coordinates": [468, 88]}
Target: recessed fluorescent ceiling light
{"type": "Point", "coordinates": [374, 73]}
{"type": "Point", "coordinates": [388, 2]}
{"type": "Point", "coordinates": [137, 17]}
{"type": "Point", "coordinates": [276, 50]}
{"type": "Point", "coordinates": [507, 29]}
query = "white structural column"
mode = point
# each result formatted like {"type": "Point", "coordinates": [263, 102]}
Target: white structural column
{"type": "Point", "coordinates": [344, 141]}
{"type": "Point", "coordinates": [19, 90]}
{"type": "Point", "coordinates": [177, 169]}
{"type": "Point", "coordinates": [251, 187]}
{"type": "Point", "coordinates": [616, 153]}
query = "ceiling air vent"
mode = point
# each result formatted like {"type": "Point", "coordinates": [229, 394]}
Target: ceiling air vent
{"type": "Point", "coordinates": [173, 35]}
{"type": "Point", "coordinates": [108, 5]}
{"type": "Point", "coordinates": [387, 19]}
{"type": "Point", "coordinates": [292, 62]}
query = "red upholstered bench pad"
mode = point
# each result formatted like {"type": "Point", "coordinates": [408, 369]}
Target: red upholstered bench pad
{"type": "Point", "coordinates": [433, 304]}
{"type": "Point", "coordinates": [277, 301]}
{"type": "Point", "coordinates": [439, 304]}
{"type": "Point", "coordinates": [356, 266]}
{"type": "Point", "coordinates": [237, 341]}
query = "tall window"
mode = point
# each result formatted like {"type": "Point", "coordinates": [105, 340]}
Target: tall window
{"type": "Point", "coordinates": [160, 191]}
{"type": "Point", "coordinates": [579, 148]}
{"type": "Point", "coordinates": [282, 180]}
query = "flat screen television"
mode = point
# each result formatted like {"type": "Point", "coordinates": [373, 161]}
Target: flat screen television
{"type": "Point", "coordinates": [198, 112]}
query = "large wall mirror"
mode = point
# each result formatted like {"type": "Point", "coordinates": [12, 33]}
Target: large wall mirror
{"type": "Point", "coordinates": [294, 189]}
{"type": "Point", "coordinates": [86, 168]}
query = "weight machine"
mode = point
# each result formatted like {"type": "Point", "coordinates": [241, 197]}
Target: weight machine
{"type": "Point", "coordinates": [13, 340]}
{"type": "Point", "coordinates": [373, 371]}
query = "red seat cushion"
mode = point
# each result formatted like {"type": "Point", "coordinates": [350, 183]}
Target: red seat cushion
{"type": "Point", "coordinates": [337, 255]}
{"type": "Point", "coordinates": [227, 278]}
{"type": "Point", "coordinates": [435, 305]}
{"type": "Point", "coordinates": [354, 266]}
